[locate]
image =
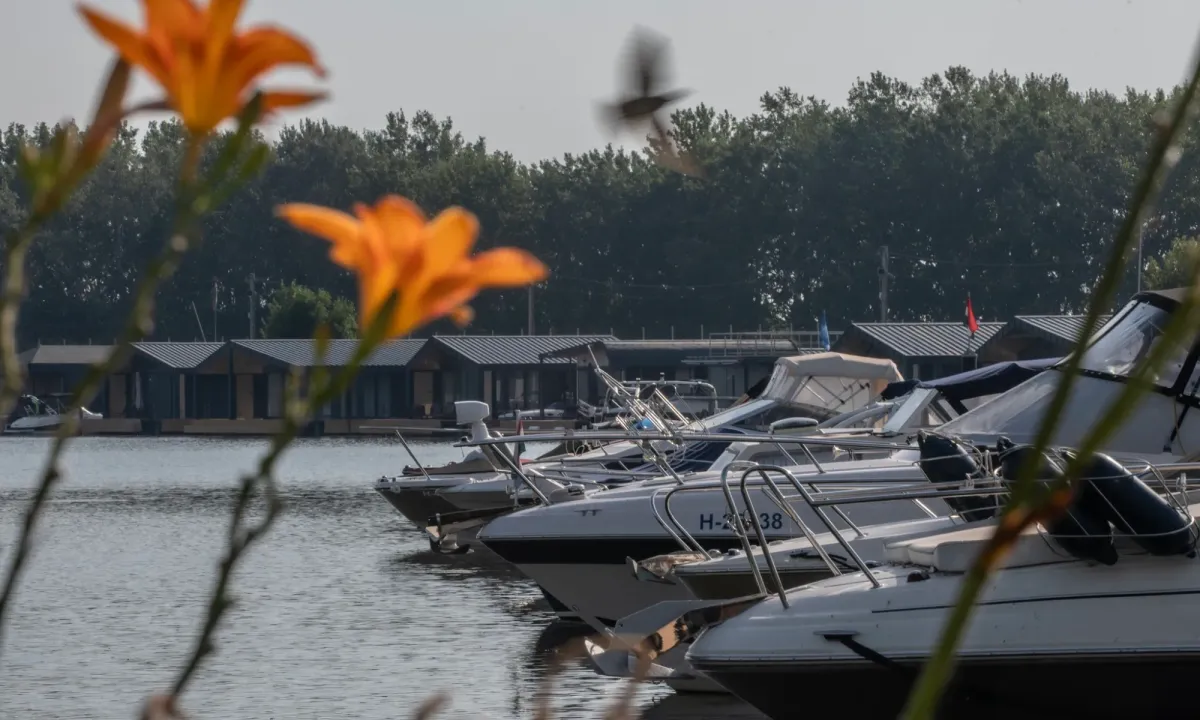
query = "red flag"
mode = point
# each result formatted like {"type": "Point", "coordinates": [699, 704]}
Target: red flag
{"type": "Point", "coordinates": [972, 325]}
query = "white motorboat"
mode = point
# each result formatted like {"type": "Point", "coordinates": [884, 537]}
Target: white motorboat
{"type": "Point", "coordinates": [580, 553]}
{"type": "Point", "coordinates": [500, 490]}
{"type": "Point", "coordinates": [32, 414]}
{"type": "Point", "coordinates": [414, 494]}
{"type": "Point", "coordinates": [1092, 615]}
{"type": "Point", "coordinates": [585, 563]}
{"type": "Point", "coordinates": [929, 403]}
{"type": "Point", "coordinates": [749, 573]}
{"type": "Point", "coordinates": [809, 389]}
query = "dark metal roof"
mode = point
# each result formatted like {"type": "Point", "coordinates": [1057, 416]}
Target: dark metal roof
{"type": "Point", "coordinates": [715, 345]}
{"type": "Point", "coordinates": [516, 349]}
{"type": "Point", "coordinates": [302, 353]}
{"type": "Point", "coordinates": [931, 339]}
{"type": "Point", "coordinates": [65, 354]}
{"type": "Point", "coordinates": [178, 355]}
{"type": "Point", "coordinates": [1063, 327]}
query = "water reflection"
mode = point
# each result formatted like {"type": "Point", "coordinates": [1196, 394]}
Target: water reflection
{"type": "Point", "coordinates": [342, 611]}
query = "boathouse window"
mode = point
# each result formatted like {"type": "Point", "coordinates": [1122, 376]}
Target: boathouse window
{"type": "Point", "coordinates": [260, 396]}
{"type": "Point", "coordinates": [365, 397]}
{"type": "Point", "coordinates": [383, 396]}
{"type": "Point", "coordinates": [275, 395]}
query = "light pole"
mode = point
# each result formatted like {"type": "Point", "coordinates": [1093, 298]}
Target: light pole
{"type": "Point", "coordinates": [1141, 237]}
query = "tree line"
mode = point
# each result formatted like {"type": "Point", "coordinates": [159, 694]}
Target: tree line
{"type": "Point", "coordinates": [1006, 188]}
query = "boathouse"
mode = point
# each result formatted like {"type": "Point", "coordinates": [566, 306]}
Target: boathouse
{"type": "Point", "coordinates": [922, 350]}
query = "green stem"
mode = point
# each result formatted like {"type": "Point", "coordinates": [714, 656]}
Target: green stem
{"type": "Point", "coordinates": [936, 673]}
{"type": "Point", "coordinates": [326, 389]}
{"type": "Point", "coordinates": [16, 247]}
{"type": "Point", "coordinates": [137, 326]}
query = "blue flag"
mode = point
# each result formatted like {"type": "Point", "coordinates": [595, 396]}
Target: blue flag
{"type": "Point", "coordinates": [823, 332]}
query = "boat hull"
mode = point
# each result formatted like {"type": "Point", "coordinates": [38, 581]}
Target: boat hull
{"type": "Point", "coordinates": [740, 583]}
{"type": "Point", "coordinates": [592, 573]}
{"type": "Point", "coordinates": [35, 423]}
{"type": "Point", "coordinates": [417, 504]}
{"type": "Point", "coordinates": [1070, 686]}
{"type": "Point", "coordinates": [483, 495]}
{"type": "Point", "coordinates": [603, 593]}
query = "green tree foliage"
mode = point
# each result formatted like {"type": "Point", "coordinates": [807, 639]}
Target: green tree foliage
{"type": "Point", "coordinates": [1007, 188]}
{"type": "Point", "coordinates": [296, 311]}
{"type": "Point", "coordinates": [1171, 270]}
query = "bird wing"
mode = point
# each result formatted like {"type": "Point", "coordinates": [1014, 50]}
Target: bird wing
{"type": "Point", "coordinates": [647, 61]}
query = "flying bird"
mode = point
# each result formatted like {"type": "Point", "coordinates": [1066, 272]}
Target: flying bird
{"type": "Point", "coordinates": [643, 104]}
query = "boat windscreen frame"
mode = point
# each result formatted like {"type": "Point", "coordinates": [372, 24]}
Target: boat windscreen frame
{"type": "Point", "coordinates": [1178, 389]}
{"type": "Point", "coordinates": [920, 399]}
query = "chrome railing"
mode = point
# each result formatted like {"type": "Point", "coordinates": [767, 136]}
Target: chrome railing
{"type": "Point", "coordinates": [990, 486]}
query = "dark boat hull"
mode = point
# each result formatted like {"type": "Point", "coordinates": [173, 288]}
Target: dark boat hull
{"type": "Point", "coordinates": [1096, 688]}
{"type": "Point", "coordinates": [418, 505]}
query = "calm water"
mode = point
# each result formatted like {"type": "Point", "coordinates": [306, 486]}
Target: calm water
{"type": "Point", "coordinates": [342, 612]}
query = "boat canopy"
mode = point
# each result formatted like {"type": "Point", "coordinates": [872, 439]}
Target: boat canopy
{"type": "Point", "coordinates": [987, 380]}
{"type": "Point", "coordinates": [830, 382]}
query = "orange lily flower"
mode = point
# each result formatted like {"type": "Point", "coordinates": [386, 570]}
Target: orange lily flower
{"type": "Point", "coordinates": [204, 64]}
{"type": "Point", "coordinates": [392, 246]}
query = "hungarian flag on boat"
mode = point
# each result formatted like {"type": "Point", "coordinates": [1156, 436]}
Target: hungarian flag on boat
{"type": "Point", "coordinates": [972, 324]}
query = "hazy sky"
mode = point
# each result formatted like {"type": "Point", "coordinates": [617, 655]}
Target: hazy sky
{"type": "Point", "coordinates": [527, 74]}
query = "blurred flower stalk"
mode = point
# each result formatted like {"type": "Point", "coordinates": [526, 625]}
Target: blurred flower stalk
{"type": "Point", "coordinates": [410, 270]}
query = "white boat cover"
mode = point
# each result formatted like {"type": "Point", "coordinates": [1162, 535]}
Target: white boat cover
{"type": "Point", "coordinates": [830, 381]}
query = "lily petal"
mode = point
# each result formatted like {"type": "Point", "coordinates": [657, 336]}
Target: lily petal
{"type": "Point", "coordinates": [197, 112]}
{"type": "Point", "coordinates": [443, 296]}
{"type": "Point", "coordinates": [462, 315]}
{"type": "Point", "coordinates": [275, 100]}
{"type": "Point", "coordinates": [403, 225]}
{"type": "Point", "coordinates": [375, 245]}
{"type": "Point", "coordinates": [173, 17]}
{"type": "Point", "coordinates": [451, 236]}
{"type": "Point", "coordinates": [128, 42]}
{"type": "Point", "coordinates": [222, 17]}
{"type": "Point", "coordinates": [337, 227]}
{"type": "Point", "coordinates": [374, 287]}
{"type": "Point", "coordinates": [254, 53]}
{"type": "Point", "coordinates": [507, 267]}
{"type": "Point", "coordinates": [258, 51]}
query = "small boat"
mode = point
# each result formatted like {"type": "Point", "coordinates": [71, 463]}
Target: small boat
{"type": "Point", "coordinates": [32, 414]}
{"type": "Point", "coordinates": [416, 492]}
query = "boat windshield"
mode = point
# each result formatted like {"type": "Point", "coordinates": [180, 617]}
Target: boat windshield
{"type": "Point", "coordinates": [1128, 341]}
{"type": "Point", "coordinates": [912, 407]}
